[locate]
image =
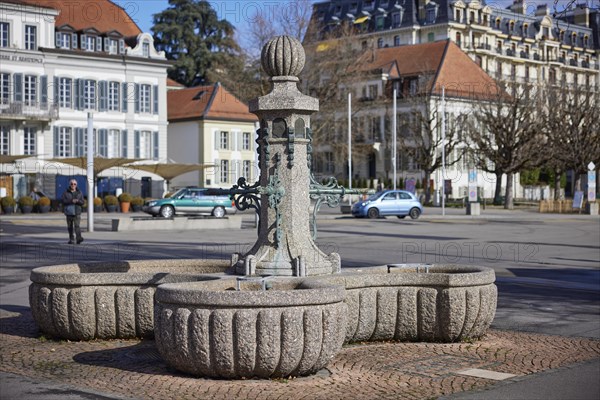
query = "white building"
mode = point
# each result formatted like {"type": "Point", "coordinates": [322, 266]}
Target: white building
{"type": "Point", "coordinates": [62, 61]}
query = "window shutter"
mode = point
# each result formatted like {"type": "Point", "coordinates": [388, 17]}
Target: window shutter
{"type": "Point", "coordinates": [124, 143]}
{"type": "Point", "coordinates": [122, 46]}
{"type": "Point", "coordinates": [76, 84]}
{"type": "Point", "coordinates": [137, 98]}
{"type": "Point", "coordinates": [78, 137]}
{"type": "Point", "coordinates": [103, 88]}
{"type": "Point", "coordinates": [124, 94]}
{"type": "Point", "coordinates": [155, 97]}
{"type": "Point", "coordinates": [217, 171]}
{"type": "Point", "coordinates": [217, 140]}
{"type": "Point", "coordinates": [106, 44]}
{"type": "Point", "coordinates": [56, 89]}
{"type": "Point", "coordinates": [98, 43]}
{"type": "Point", "coordinates": [58, 40]}
{"type": "Point", "coordinates": [84, 42]}
{"type": "Point", "coordinates": [103, 142]}
{"type": "Point", "coordinates": [155, 145]}
{"type": "Point", "coordinates": [136, 141]}
{"type": "Point", "coordinates": [74, 40]}
{"type": "Point", "coordinates": [56, 142]}
{"type": "Point", "coordinates": [44, 89]}
{"type": "Point", "coordinates": [18, 78]}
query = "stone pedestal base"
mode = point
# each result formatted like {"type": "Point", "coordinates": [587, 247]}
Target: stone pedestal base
{"type": "Point", "coordinates": [591, 208]}
{"type": "Point", "coordinates": [473, 209]}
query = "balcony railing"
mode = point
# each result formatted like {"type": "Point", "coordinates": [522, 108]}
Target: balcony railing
{"type": "Point", "coordinates": [24, 111]}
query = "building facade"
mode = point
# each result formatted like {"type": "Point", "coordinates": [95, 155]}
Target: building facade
{"type": "Point", "coordinates": [60, 63]}
{"type": "Point", "coordinates": [208, 125]}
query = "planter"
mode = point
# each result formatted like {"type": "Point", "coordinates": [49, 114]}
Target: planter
{"type": "Point", "coordinates": [125, 207]}
{"type": "Point", "coordinates": [44, 209]}
{"type": "Point", "coordinates": [136, 208]}
{"type": "Point", "coordinates": [8, 210]}
{"type": "Point", "coordinates": [26, 209]}
{"type": "Point", "coordinates": [111, 208]}
{"type": "Point", "coordinates": [209, 329]}
{"type": "Point", "coordinates": [107, 300]}
{"type": "Point", "coordinates": [446, 303]}
{"type": "Point", "coordinates": [97, 209]}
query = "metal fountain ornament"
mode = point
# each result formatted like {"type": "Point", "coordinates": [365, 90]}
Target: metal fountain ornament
{"type": "Point", "coordinates": [285, 245]}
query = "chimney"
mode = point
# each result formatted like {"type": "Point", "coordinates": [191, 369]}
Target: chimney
{"type": "Point", "coordinates": [581, 15]}
{"type": "Point", "coordinates": [518, 7]}
{"type": "Point", "coordinates": [541, 10]}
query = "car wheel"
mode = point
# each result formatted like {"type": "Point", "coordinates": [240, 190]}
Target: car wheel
{"type": "Point", "coordinates": [218, 212]}
{"type": "Point", "coordinates": [414, 213]}
{"type": "Point", "coordinates": [167, 211]}
{"type": "Point", "coordinates": [401, 216]}
{"type": "Point", "coordinates": [373, 213]}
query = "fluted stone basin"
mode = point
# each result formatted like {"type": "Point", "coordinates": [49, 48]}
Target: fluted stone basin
{"type": "Point", "coordinates": [445, 303]}
{"type": "Point", "coordinates": [107, 300]}
{"type": "Point", "coordinates": [210, 329]}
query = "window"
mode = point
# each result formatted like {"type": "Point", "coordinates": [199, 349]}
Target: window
{"type": "Point", "coordinates": [29, 141]}
{"type": "Point", "coordinates": [145, 144]}
{"type": "Point", "coordinates": [145, 98]}
{"type": "Point", "coordinates": [353, 7]}
{"type": "Point", "coordinates": [30, 92]}
{"type": "Point", "coordinates": [30, 37]}
{"type": "Point", "coordinates": [431, 37]}
{"type": "Point", "coordinates": [65, 92]}
{"type": "Point", "coordinates": [397, 40]}
{"type": "Point", "coordinates": [379, 22]}
{"type": "Point", "coordinates": [246, 170]}
{"type": "Point", "coordinates": [4, 139]}
{"type": "Point", "coordinates": [246, 141]}
{"type": "Point", "coordinates": [4, 34]}
{"type": "Point", "coordinates": [88, 42]}
{"type": "Point", "coordinates": [113, 96]}
{"type": "Point", "coordinates": [413, 86]}
{"type": "Point", "coordinates": [4, 88]}
{"type": "Point", "coordinates": [224, 170]}
{"type": "Point", "coordinates": [396, 19]}
{"type": "Point", "coordinates": [113, 46]}
{"type": "Point", "coordinates": [431, 15]}
{"type": "Point", "coordinates": [63, 40]}
{"type": "Point", "coordinates": [64, 142]}
{"type": "Point", "coordinates": [89, 94]}
{"type": "Point", "coordinates": [114, 144]}
{"type": "Point", "coordinates": [146, 49]}
{"type": "Point", "coordinates": [368, 4]}
{"type": "Point", "coordinates": [380, 43]}
{"type": "Point", "coordinates": [224, 140]}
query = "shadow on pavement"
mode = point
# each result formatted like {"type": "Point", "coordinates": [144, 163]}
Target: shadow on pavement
{"type": "Point", "coordinates": [21, 325]}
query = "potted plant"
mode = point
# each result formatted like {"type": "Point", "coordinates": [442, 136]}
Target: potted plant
{"type": "Point", "coordinates": [8, 205]}
{"type": "Point", "coordinates": [111, 203]}
{"type": "Point", "coordinates": [26, 204]}
{"type": "Point", "coordinates": [97, 204]}
{"type": "Point", "coordinates": [136, 204]}
{"type": "Point", "coordinates": [125, 200]}
{"type": "Point", "coordinates": [43, 205]}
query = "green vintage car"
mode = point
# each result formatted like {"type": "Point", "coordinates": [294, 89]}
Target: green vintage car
{"type": "Point", "coordinates": [190, 200]}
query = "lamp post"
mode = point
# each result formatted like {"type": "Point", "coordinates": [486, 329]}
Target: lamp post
{"type": "Point", "coordinates": [90, 170]}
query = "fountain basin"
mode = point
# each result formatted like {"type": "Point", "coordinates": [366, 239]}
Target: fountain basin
{"type": "Point", "coordinates": [107, 300]}
{"type": "Point", "coordinates": [210, 329]}
{"type": "Point", "coordinates": [414, 302]}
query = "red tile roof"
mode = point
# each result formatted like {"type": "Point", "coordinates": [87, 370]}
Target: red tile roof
{"type": "Point", "coordinates": [206, 102]}
{"type": "Point", "coordinates": [445, 63]}
{"type": "Point", "coordinates": [103, 15]}
{"type": "Point", "coordinates": [174, 84]}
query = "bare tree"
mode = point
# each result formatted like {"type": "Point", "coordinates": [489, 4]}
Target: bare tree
{"type": "Point", "coordinates": [505, 132]}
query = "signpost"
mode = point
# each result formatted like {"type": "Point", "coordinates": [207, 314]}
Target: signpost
{"type": "Point", "coordinates": [592, 207]}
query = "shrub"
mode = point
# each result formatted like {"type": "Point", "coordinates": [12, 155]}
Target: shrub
{"type": "Point", "coordinates": [8, 202]}
{"type": "Point", "coordinates": [97, 201]}
{"type": "Point", "coordinates": [137, 201]}
{"type": "Point", "coordinates": [111, 200]}
{"type": "Point", "coordinates": [44, 202]}
{"type": "Point", "coordinates": [25, 201]}
{"type": "Point", "coordinates": [125, 197]}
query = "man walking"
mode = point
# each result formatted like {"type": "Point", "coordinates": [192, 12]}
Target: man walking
{"type": "Point", "coordinates": [72, 200]}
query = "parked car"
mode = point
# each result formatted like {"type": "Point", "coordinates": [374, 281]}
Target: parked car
{"type": "Point", "coordinates": [190, 201]}
{"type": "Point", "coordinates": [389, 202]}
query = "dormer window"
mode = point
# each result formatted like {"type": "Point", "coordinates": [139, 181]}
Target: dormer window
{"type": "Point", "coordinates": [383, 3]}
{"type": "Point", "coordinates": [397, 18]}
{"type": "Point", "coordinates": [146, 49]}
{"type": "Point", "coordinates": [63, 40]}
{"type": "Point", "coordinates": [457, 17]}
{"type": "Point", "coordinates": [497, 23]}
{"type": "Point", "coordinates": [431, 14]}
{"type": "Point", "coordinates": [111, 46]}
{"type": "Point", "coordinates": [368, 4]}
{"type": "Point", "coordinates": [574, 39]}
{"type": "Point", "coordinates": [379, 22]}
{"type": "Point", "coordinates": [512, 26]}
{"type": "Point", "coordinates": [561, 36]}
{"type": "Point", "coordinates": [88, 42]}
{"type": "Point", "coordinates": [353, 7]}
{"type": "Point", "coordinates": [586, 41]}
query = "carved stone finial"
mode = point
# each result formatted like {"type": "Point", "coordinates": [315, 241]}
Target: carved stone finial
{"type": "Point", "coordinates": [283, 56]}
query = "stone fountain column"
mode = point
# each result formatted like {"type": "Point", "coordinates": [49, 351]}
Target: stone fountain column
{"type": "Point", "coordinates": [285, 246]}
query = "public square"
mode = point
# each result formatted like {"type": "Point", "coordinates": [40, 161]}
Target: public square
{"type": "Point", "coordinates": [546, 332]}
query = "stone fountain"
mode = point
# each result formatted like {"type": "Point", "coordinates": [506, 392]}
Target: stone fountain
{"type": "Point", "coordinates": [284, 308]}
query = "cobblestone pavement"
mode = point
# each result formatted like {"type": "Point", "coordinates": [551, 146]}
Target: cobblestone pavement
{"type": "Point", "coordinates": [134, 369]}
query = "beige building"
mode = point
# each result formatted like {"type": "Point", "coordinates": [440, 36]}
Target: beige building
{"type": "Point", "coordinates": [209, 125]}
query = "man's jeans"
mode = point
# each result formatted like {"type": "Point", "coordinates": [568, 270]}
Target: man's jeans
{"type": "Point", "coordinates": [73, 222]}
